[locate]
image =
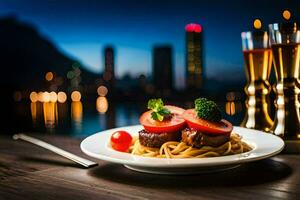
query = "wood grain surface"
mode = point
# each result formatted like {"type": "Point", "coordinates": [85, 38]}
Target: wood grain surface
{"type": "Point", "coordinates": [29, 172]}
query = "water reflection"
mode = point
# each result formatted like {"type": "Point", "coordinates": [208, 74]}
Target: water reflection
{"type": "Point", "coordinates": [50, 114]}
{"type": "Point", "coordinates": [37, 116]}
{"type": "Point", "coordinates": [81, 119]}
{"type": "Point", "coordinates": [62, 114]}
{"type": "Point", "coordinates": [102, 104]}
{"type": "Point", "coordinates": [76, 115]}
{"type": "Point", "coordinates": [33, 110]}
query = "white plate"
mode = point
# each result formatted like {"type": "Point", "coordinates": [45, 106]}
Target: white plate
{"type": "Point", "coordinates": [264, 145]}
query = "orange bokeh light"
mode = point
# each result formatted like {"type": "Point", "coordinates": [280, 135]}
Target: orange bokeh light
{"type": "Point", "coordinates": [75, 96]}
{"type": "Point", "coordinates": [40, 97]}
{"type": "Point", "coordinates": [45, 97]}
{"type": "Point", "coordinates": [286, 14]}
{"type": "Point", "coordinates": [102, 104]}
{"type": "Point", "coordinates": [102, 90]}
{"type": "Point", "coordinates": [33, 97]}
{"type": "Point", "coordinates": [53, 96]}
{"type": "Point", "coordinates": [49, 76]}
{"type": "Point", "coordinates": [257, 24]}
{"type": "Point", "coordinates": [61, 97]}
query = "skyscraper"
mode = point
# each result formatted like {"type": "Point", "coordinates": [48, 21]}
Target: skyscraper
{"type": "Point", "coordinates": [194, 57]}
{"type": "Point", "coordinates": [163, 69]}
{"type": "Point", "coordinates": [109, 66]}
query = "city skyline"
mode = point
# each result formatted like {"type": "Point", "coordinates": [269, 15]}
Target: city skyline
{"type": "Point", "coordinates": [83, 31]}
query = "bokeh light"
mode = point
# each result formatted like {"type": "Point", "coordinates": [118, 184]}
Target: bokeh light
{"type": "Point", "coordinates": [49, 76]}
{"type": "Point", "coordinates": [17, 96]}
{"type": "Point", "coordinates": [33, 97]}
{"type": "Point", "coordinates": [75, 96]}
{"type": "Point", "coordinates": [102, 104]}
{"type": "Point", "coordinates": [77, 71]}
{"type": "Point", "coordinates": [102, 90]}
{"type": "Point", "coordinates": [53, 96]}
{"type": "Point", "coordinates": [257, 24]}
{"type": "Point", "coordinates": [70, 74]}
{"type": "Point", "coordinates": [286, 14]}
{"type": "Point", "coordinates": [45, 97]}
{"type": "Point", "coordinates": [61, 97]}
{"type": "Point", "coordinates": [40, 96]}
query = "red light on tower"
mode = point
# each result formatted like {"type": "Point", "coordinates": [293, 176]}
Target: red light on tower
{"type": "Point", "coordinates": [197, 28]}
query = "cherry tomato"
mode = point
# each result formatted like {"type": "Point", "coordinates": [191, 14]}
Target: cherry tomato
{"type": "Point", "coordinates": [171, 125]}
{"type": "Point", "coordinates": [192, 120]}
{"type": "Point", "coordinates": [121, 141]}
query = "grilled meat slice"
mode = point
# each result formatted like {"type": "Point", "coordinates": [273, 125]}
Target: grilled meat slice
{"type": "Point", "coordinates": [197, 139]}
{"type": "Point", "coordinates": [155, 140]}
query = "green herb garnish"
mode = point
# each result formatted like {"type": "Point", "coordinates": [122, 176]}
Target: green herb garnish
{"type": "Point", "coordinates": [207, 110]}
{"type": "Point", "coordinates": [159, 111]}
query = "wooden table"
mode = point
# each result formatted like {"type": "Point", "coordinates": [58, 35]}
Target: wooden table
{"type": "Point", "coordinates": [29, 172]}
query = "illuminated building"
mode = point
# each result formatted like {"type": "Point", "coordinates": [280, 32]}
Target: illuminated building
{"type": "Point", "coordinates": [109, 66]}
{"type": "Point", "coordinates": [163, 69]}
{"type": "Point", "coordinates": [194, 57]}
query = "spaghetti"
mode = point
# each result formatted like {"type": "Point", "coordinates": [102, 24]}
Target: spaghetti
{"type": "Point", "coordinates": [173, 149]}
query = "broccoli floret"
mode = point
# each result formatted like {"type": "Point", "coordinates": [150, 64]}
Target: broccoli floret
{"type": "Point", "coordinates": [207, 110]}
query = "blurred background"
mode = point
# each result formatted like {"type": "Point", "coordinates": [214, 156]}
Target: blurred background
{"type": "Point", "coordinates": [78, 67]}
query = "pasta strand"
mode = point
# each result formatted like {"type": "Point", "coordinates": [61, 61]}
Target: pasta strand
{"type": "Point", "coordinates": [174, 149]}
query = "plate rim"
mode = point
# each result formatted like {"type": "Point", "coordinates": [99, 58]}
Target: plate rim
{"type": "Point", "coordinates": [202, 162]}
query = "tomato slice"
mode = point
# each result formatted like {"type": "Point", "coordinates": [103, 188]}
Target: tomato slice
{"type": "Point", "coordinates": [121, 141]}
{"type": "Point", "coordinates": [174, 124]}
{"type": "Point", "coordinates": [222, 127]}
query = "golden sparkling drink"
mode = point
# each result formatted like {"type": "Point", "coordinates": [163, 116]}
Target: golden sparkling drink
{"type": "Point", "coordinates": [286, 63]}
{"type": "Point", "coordinates": [286, 60]}
{"type": "Point", "coordinates": [258, 64]}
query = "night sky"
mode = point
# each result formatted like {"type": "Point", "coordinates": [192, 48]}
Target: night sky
{"type": "Point", "coordinates": [82, 28]}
